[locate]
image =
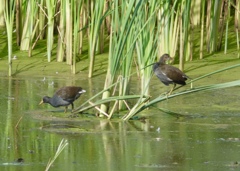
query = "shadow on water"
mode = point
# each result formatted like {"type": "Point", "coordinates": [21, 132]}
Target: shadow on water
{"type": "Point", "coordinates": [204, 137]}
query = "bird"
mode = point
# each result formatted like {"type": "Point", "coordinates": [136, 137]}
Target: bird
{"type": "Point", "coordinates": [65, 96]}
{"type": "Point", "coordinates": [168, 74]}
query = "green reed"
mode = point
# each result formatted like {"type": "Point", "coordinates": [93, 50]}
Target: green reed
{"type": "Point", "coordinates": [60, 148]}
{"type": "Point", "coordinates": [96, 18]}
{"type": "Point", "coordinates": [9, 13]}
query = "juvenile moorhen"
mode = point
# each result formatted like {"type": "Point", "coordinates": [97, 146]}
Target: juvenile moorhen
{"type": "Point", "coordinates": [168, 74]}
{"type": "Point", "coordinates": [64, 97]}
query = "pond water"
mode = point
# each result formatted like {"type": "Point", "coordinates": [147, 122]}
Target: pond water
{"type": "Point", "coordinates": [207, 138]}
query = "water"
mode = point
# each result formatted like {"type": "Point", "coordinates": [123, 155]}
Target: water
{"type": "Point", "coordinates": [206, 139]}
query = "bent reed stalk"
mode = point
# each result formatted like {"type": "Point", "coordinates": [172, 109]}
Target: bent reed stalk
{"type": "Point", "coordinates": [60, 148]}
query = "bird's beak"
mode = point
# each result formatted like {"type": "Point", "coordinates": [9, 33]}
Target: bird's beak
{"type": "Point", "coordinates": [41, 102]}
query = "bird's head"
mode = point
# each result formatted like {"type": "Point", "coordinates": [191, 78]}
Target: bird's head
{"type": "Point", "coordinates": [45, 99]}
{"type": "Point", "coordinates": [164, 58]}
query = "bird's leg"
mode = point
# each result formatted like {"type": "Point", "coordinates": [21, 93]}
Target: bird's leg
{"type": "Point", "coordinates": [170, 92]}
{"type": "Point", "coordinates": [72, 106]}
{"type": "Point", "coordinates": [66, 107]}
{"type": "Point", "coordinates": [73, 115]}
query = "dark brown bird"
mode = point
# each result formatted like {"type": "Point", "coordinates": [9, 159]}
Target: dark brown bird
{"type": "Point", "coordinates": [65, 96]}
{"type": "Point", "coordinates": [168, 74]}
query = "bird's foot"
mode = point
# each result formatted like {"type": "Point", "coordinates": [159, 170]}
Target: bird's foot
{"type": "Point", "coordinates": [163, 94]}
{"type": "Point", "coordinates": [168, 94]}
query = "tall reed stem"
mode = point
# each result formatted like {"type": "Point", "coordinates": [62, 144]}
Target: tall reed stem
{"type": "Point", "coordinates": [9, 17]}
{"type": "Point", "coordinates": [95, 25]}
{"type": "Point", "coordinates": [50, 11]}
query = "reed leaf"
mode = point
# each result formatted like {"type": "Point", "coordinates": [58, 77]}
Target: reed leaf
{"type": "Point", "coordinates": [76, 20]}
{"type": "Point", "coordinates": [50, 4]}
{"type": "Point", "coordinates": [61, 32]}
{"type": "Point", "coordinates": [236, 20]}
{"type": "Point", "coordinates": [18, 20]}
{"type": "Point", "coordinates": [95, 24]}
{"type": "Point", "coordinates": [9, 20]}
{"type": "Point", "coordinates": [126, 66]}
{"type": "Point", "coordinates": [121, 25]}
{"type": "Point", "coordinates": [215, 72]}
{"type": "Point", "coordinates": [214, 26]}
{"type": "Point", "coordinates": [2, 8]}
{"type": "Point", "coordinates": [227, 23]}
{"type": "Point", "coordinates": [196, 12]}
{"type": "Point", "coordinates": [28, 34]}
{"type": "Point", "coordinates": [168, 27]}
{"type": "Point", "coordinates": [60, 148]}
{"type": "Point", "coordinates": [186, 32]}
{"type": "Point", "coordinates": [203, 4]}
{"type": "Point", "coordinates": [42, 19]}
{"type": "Point", "coordinates": [146, 46]}
{"type": "Point", "coordinates": [69, 30]}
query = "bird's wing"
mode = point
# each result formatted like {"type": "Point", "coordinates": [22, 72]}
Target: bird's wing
{"type": "Point", "coordinates": [162, 76]}
{"type": "Point", "coordinates": [175, 74]}
{"type": "Point", "coordinates": [69, 94]}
